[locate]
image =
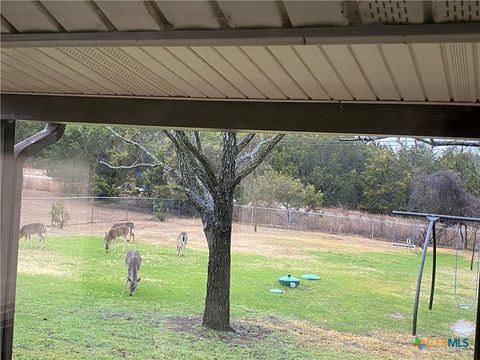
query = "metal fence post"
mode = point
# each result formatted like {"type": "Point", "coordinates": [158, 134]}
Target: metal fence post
{"type": "Point", "coordinates": [251, 217]}
{"type": "Point", "coordinates": [91, 213]}
{"type": "Point", "coordinates": [416, 234]}
{"type": "Point", "coordinates": [153, 208]}
{"type": "Point", "coordinates": [373, 229]}
{"type": "Point", "coordinates": [289, 218]}
{"type": "Point", "coordinates": [126, 211]}
{"type": "Point", "coordinates": [394, 230]}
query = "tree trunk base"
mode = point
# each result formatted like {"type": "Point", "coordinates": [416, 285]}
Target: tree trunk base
{"type": "Point", "coordinates": [227, 329]}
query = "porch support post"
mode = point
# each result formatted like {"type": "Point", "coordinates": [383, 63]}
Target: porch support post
{"type": "Point", "coordinates": [476, 347]}
{"type": "Point", "coordinates": [9, 224]}
{"type": "Point", "coordinates": [12, 158]}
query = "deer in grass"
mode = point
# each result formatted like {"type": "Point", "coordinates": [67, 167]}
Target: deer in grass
{"type": "Point", "coordinates": [113, 233]}
{"type": "Point", "coordinates": [28, 230]}
{"type": "Point", "coordinates": [130, 225]}
{"type": "Point", "coordinates": [132, 262]}
{"type": "Point", "coordinates": [182, 239]}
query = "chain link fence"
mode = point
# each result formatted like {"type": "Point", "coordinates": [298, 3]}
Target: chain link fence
{"type": "Point", "coordinates": [387, 229]}
{"type": "Point", "coordinates": [83, 210]}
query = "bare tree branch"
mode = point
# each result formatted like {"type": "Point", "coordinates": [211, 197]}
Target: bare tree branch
{"type": "Point", "coordinates": [258, 155]}
{"type": "Point", "coordinates": [431, 142]}
{"type": "Point", "coordinates": [251, 154]}
{"type": "Point", "coordinates": [246, 140]}
{"type": "Point", "coordinates": [229, 154]}
{"type": "Point", "coordinates": [198, 143]}
{"type": "Point", "coordinates": [156, 160]}
{"type": "Point", "coordinates": [133, 166]}
{"type": "Point", "coordinates": [364, 139]}
{"type": "Point", "coordinates": [197, 154]}
{"type": "Point", "coordinates": [197, 187]}
{"type": "Point", "coordinates": [436, 143]}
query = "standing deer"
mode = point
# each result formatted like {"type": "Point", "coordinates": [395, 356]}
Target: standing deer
{"type": "Point", "coordinates": [28, 230]}
{"type": "Point", "coordinates": [115, 232]}
{"type": "Point", "coordinates": [130, 225]}
{"type": "Point", "coordinates": [132, 262]}
{"type": "Point", "coordinates": [181, 243]}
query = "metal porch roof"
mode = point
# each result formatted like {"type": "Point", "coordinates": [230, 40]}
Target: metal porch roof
{"type": "Point", "coordinates": [420, 69]}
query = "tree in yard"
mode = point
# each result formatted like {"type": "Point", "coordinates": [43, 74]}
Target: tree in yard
{"type": "Point", "coordinates": [208, 178]}
{"type": "Point", "coordinates": [443, 192]}
{"type": "Point", "coordinates": [276, 188]}
{"type": "Point", "coordinates": [331, 166]}
{"type": "Point", "coordinates": [466, 165]}
{"type": "Point", "coordinates": [385, 183]}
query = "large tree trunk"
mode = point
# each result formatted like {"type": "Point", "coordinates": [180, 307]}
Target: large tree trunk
{"type": "Point", "coordinates": [216, 314]}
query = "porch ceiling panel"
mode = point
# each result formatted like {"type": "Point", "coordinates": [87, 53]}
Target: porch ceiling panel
{"type": "Point", "coordinates": [388, 72]}
{"type": "Point", "coordinates": [263, 50]}
{"type": "Point", "coordinates": [102, 15]}
{"type": "Point", "coordinates": [128, 15]}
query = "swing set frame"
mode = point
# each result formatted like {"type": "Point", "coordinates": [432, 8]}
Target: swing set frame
{"type": "Point", "coordinates": [431, 234]}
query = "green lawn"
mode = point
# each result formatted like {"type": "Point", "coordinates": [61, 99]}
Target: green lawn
{"type": "Point", "coordinates": [70, 305]}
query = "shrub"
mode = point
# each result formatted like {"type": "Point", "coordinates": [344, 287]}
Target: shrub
{"type": "Point", "coordinates": [159, 213]}
{"type": "Point", "coordinates": [59, 214]}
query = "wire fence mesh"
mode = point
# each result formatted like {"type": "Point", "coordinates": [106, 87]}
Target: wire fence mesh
{"type": "Point", "coordinates": [83, 210]}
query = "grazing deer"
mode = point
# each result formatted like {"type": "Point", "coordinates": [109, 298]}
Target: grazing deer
{"type": "Point", "coordinates": [30, 229]}
{"type": "Point", "coordinates": [181, 243]}
{"type": "Point", "coordinates": [115, 232]}
{"type": "Point", "coordinates": [130, 225]}
{"type": "Point", "coordinates": [132, 262]}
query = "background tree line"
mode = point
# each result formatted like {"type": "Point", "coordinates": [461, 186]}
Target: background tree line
{"type": "Point", "coordinates": [302, 172]}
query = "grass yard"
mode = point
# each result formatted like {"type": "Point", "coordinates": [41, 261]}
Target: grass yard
{"type": "Point", "coordinates": [70, 303]}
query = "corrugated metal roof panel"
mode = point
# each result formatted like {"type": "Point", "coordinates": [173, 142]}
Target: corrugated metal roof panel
{"type": "Point", "coordinates": [316, 13]}
{"type": "Point", "coordinates": [203, 69]}
{"type": "Point", "coordinates": [228, 71]}
{"type": "Point", "coordinates": [433, 75]}
{"type": "Point", "coordinates": [193, 15]}
{"type": "Point", "coordinates": [414, 72]}
{"type": "Point", "coordinates": [37, 69]}
{"type": "Point", "coordinates": [252, 14]}
{"type": "Point", "coordinates": [299, 72]}
{"type": "Point", "coordinates": [184, 71]}
{"type": "Point", "coordinates": [19, 76]}
{"type": "Point", "coordinates": [77, 15]}
{"type": "Point", "coordinates": [28, 16]}
{"type": "Point", "coordinates": [128, 15]}
{"type": "Point", "coordinates": [376, 71]}
{"type": "Point", "coordinates": [347, 66]}
{"type": "Point", "coordinates": [55, 66]}
{"type": "Point", "coordinates": [182, 87]}
{"type": "Point", "coordinates": [245, 65]}
{"type": "Point", "coordinates": [324, 71]}
{"type": "Point", "coordinates": [95, 80]}
{"type": "Point", "coordinates": [102, 15]}
{"type": "Point", "coordinates": [403, 71]}
{"type": "Point", "coordinates": [269, 64]}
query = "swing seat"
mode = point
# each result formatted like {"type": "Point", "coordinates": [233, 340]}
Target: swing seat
{"type": "Point", "coordinates": [404, 245]}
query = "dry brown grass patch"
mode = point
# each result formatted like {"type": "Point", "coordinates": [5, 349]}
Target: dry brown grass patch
{"type": "Point", "coordinates": [40, 262]}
